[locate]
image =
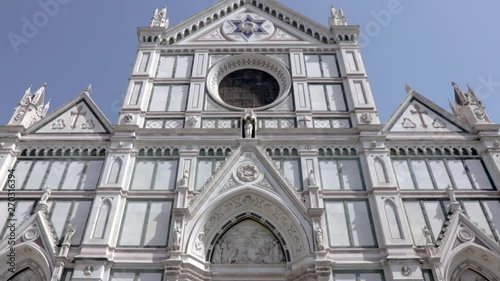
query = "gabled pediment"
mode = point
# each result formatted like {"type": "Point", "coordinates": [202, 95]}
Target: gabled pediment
{"type": "Point", "coordinates": [458, 229]}
{"type": "Point", "coordinates": [215, 24]}
{"type": "Point", "coordinates": [249, 167]}
{"type": "Point", "coordinates": [79, 116]}
{"type": "Point", "coordinates": [249, 25]}
{"type": "Point", "coordinates": [418, 114]}
{"type": "Point", "coordinates": [35, 230]}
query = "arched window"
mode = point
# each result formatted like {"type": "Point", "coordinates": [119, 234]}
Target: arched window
{"type": "Point", "coordinates": [392, 220]}
{"type": "Point", "coordinates": [102, 220]}
{"type": "Point", "coordinates": [380, 171]}
{"type": "Point", "coordinates": [114, 171]}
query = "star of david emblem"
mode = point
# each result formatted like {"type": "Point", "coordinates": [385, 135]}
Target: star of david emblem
{"type": "Point", "coordinates": [249, 27]}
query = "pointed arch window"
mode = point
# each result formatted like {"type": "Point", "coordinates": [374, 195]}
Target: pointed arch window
{"type": "Point", "coordinates": [393, 220]}
{"type": "Point", "coordinates": [102, 220]}
{"type": "Point", "coordinates": [380, 170]}
{"type": "Point", "coordinates": [114, 172]}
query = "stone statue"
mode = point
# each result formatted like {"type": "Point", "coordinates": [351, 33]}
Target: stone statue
{"type": "Point", "coordinates": [199, 245]}
{"type": "Point", "coordinates": [185, 178]}
{"type": "Point", "coordinates": [451, 194]}
{"type": "Point", "coordinates": [248, 129]}
{"type": "Point", "coordinates": [406, 271]}
{"type": "Point", "coordinates": [217, 254]}
{"type": "Point", "coordinates": [427, 234]}
{"type": "Point", "coordinates": [276, 251]}
{"type": "Point", "coordinates": [45, 195]}
{"type": "Point", "coordinates": [249, 124]}
{"type": "Point", "coordinates": [312, 178]}
{"type": "Point", "coordinates": [160, 18]}
{"type": "Point", "coordinates": [225, 252]}
{"type": "Point", "coordinates": [177, 239]}
{"type": "Point", "coordinates": [70, 231]}
{"type": "Point", "coordinates": [319, 239]}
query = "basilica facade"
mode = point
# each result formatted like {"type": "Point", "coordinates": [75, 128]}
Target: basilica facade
{"type": "Point", "coordinates": [249, 147]}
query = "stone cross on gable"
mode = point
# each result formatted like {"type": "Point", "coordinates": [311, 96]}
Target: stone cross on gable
{"type": "Point", "coordinates": [79, 112]}
{"type": "Point", "coordinates": [420, 113]}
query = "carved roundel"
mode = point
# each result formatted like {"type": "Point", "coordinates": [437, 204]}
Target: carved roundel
{"type": "Point", "coordinates": [247, 27]}
{"type": "Point", "coordinates": [30, 234]}
{"type": "Point", "coordinates": [248, 172]}
{"type": "Point", "coordinates": [260, 63]}
{"type": "Point", "coordinates": [465, 235]}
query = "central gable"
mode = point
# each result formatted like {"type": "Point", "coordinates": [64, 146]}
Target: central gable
{"type": "Point", "coordinates": [249, 25]}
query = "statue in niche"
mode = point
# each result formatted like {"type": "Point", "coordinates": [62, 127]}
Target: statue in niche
{"type": "Point", "coordinates": [248, 243]}
{"type": "Point", "coordinates": [45, 196]}
{"type": "Point", "coordinates": [319, 239]}
{"type": "Point", "coordinates": [312, 178]}
{"type": "Point", "coordinates": [249, 124]}
{"type": "Point", "coordinates": [185, 178]}
{"type": "Point", "coordinates": [177, 239]}
{"type": "Point", "coordinates": [70, 231]}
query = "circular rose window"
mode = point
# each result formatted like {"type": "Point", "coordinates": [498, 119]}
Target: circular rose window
{"type": "Point", "coordinates": [249, 81]}
{"type": "Point", "coordinates": [249, 88]}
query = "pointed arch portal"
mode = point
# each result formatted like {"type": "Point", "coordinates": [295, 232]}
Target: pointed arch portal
{"type": "Point", "coordinates": [248, 241]}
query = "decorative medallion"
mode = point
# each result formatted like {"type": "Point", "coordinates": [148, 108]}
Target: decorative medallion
{"type": "Point", "coordinates": [128, 118]}
{"type": "Point", "coordinates": [88, 270]}
{"type": "Point", "coordinates": [30, 234]}
{"type": "Point", "coordinates": [247, 27]}
{"type": "Point", "coordinates": [406, 271]}
{"type": "Point", "coordinates": [465, 235]}
{"type": "Point", "coordinates": [248, 172]}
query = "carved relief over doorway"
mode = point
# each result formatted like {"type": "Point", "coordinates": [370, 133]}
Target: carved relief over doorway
{"type": "Point", "coordinates": [248, 242]}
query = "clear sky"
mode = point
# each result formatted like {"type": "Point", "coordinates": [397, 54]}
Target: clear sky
{"type": "Point", "coordinates": [427, 44]}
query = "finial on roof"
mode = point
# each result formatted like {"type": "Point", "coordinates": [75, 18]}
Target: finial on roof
{"type": "Point", "coordinates": [337, 18]}
{"type": "Point", "coordinates": [409, 89]}
{"type": "Point", "coordinates": [88, 90]}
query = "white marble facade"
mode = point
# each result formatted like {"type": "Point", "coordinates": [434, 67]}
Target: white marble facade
{"type": "Point", "coordinates": [306, 184]}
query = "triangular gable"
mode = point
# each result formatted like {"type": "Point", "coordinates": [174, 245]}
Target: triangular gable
{"type": "Point", "coordinates": [79, 116]}
{"type": "Point", "coordinates": [249, 25]}
{"type": "Point", "coordinates": [35, 230]}
{"type": "Point", "coordinates": [458, 229]}
{"type": "Point", "coordinates": [290, 26]}
{"type": "Point", "coordinates": [417, 114]}
{"type": "Point", "coordinates": [249, 167]}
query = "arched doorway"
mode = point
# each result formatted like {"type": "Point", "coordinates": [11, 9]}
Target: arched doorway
{"type": "Point", "coordinates": [248, 242]}
{"type": "Point", "coordinates": [26, 274]}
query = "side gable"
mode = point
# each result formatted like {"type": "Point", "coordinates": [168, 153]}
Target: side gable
{"type": "Point", "coordinates": [418, 114]}
{"type": "Point", "coordinates": [79, 116]}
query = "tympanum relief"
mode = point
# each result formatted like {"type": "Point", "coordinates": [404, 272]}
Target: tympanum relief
{"type": "Point", "coordinates": [248, 243]}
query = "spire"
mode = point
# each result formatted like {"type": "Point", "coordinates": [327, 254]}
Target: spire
{"type": "Point", "coordinates": [460, 98]}
{"type": "Point", "coordinates": [160, 18]}
{"type": "Point", "coordinates": [337, 17]}
{"type": "Point", "coordinates": [468, 107]}
{"type": "Point", "coordinates": [38, 97]}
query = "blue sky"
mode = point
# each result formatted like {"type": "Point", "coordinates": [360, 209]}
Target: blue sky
{"type": "Point", "coordinates": [427, 44]}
